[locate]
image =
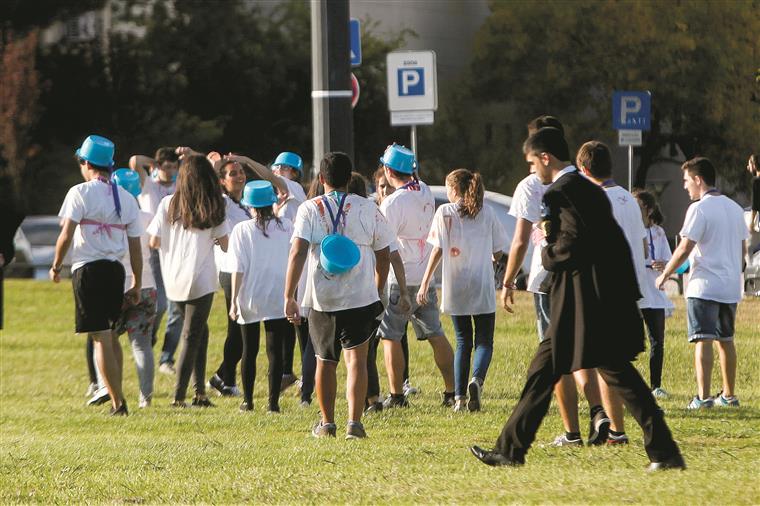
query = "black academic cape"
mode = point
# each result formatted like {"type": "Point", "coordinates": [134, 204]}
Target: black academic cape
{"type": "Point", "coordinates": [593, 292]}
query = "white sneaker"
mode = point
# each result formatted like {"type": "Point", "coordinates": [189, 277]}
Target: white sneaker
{"type": "Point", "coordinates": [99, 397]}
{"type": "Point", "coordinates": [460, 405]}
{"type": "Point", "coordinates": [167, 368]}
{"type": "Point", "coordinates": [660, 393]}
{"type": "Point", "coordinates": [91, 390]}
{"type": "Point", "coordinates": [475, 389]}
{"type": "Point", "coordinates": [144, 402]}
{"type": "Point", "coordinates": [409, 389]}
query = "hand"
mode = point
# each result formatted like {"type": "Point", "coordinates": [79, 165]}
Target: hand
{"type": "Point", "coordinates": [55, 276]}
{"type": "Point", "coordinates": [292, 311]}
{"type": "Point", "coordinates": [233, 311]}
{"type": "Point", "coordinates": [658, 265]}
{"type": "Point", "coordinates": [660, 282]}
{"type": "Point", "coordinates": [213, 157]}
{"type": "Point", "coordinates": [132, 296]}
{"type": "Point", "coordinates": [507, 298]}
{"type": "Point", "coordinates": [422, 297]}
{"type": "Point", "coordinates": [405, 303]}
{"type": "Point", "coordinates": [183, 151]}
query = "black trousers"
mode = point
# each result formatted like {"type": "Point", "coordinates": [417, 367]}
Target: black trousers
{"type": "Point", "coordinates": [233, 345]}
{"type": "Point", "coordinates": [308, 359]}
{"type": "Point", "coordinates": [520, 430]}
{"type": "Point", "coordinates": [655, 321]}
{"type": "Point", "coordinates": [275, 331]}
{"type": "Point", "coordinates": [192, 358]}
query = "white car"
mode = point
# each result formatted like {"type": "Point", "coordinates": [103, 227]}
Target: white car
{"type": "Point", "coordinates": [36, 240]}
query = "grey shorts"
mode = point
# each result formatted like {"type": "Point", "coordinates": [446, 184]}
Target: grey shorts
{"type": "Point", "coordinates": [426, 320]}
{"type": "Point", "coordinates": [708, 319]}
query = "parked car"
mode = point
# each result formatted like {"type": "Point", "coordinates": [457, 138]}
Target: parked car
{"type": "Point", "coordinates": [35, 247]}
{"type": "Point", "coordinates": [752, 272]}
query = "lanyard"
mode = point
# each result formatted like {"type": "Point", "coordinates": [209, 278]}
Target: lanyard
{"type": "Point", "coordinates": [114, 192]}
{"type": "Point", "coordinates": [609, 183]}
{"type": "Point", "coordinates": [651, 245]}
{"type": "Point", "coordinates": [714, 191]}
{"type": "Point", "coordinates": [411, 185]}
{"type": "Point", "coordinates": [335, 218]}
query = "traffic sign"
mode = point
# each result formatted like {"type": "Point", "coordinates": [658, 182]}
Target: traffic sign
{"type": "Point", "coordinates": [629, 137]}
{"type": "Point", "coordinates": [412, 83]}
{"type": "Point", "coordinates": [355, 90]}
{"type": "Point", "coordinates": [354, 30]}
{"type": "Point", "coordinates": [631, 110]}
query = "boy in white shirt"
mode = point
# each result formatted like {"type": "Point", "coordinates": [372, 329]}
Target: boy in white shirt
{"type": "Point", "coordinates": [101, 219]}
{"type": "Point", "coordinates": [714, 238]}
{"type": "Point", "coordinates": [342, 307]}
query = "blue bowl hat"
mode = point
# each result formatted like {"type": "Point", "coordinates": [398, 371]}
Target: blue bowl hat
{"type": "Point", "coordinates": [127, 179]}
{"type": "Point", "coordinates": [338, 254]}
{"type": "Point", "coordinates": [399, 158]}
{"type": "Point", "coordinates": [683, 268]}
{"type": "Point", "coordinates": [97, 150]}
{"type": "Point", "coordinates": [289, 159]}
{"type": "Point", "coordinates": [259, 194]}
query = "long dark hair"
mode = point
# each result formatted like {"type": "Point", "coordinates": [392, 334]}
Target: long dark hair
{"type": "Point", "coordinates": [262, 216]}
{"type": "Point", "coordinates": [649, 203]}
{"type": "Point", "coordinates": [197, 202]}
{"type": "Point", "coordinates": [469, 187]}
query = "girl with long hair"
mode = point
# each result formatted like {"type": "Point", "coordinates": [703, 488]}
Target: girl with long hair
{"type": "Point", "coordinates": [259, 251]}
{"type": "Point", "coordinates": [468, 237]}
{"type": "Point", "coordinates": [185, 229]}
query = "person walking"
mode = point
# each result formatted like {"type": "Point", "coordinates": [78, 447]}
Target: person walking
{"type": "Point", "coordinates": [467, 238]}
{"type": "Point", "coordinates": [714, 238]}
{"type": "Point", "coordinates": [185, 229]}
{"type": "Point", "coordinates": [595, 321]}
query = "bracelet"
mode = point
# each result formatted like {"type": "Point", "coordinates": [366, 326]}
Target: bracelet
{"type": "Point", "coordinates": [58, 270]}
{"type": "Point", "coordinates": [511, 286]}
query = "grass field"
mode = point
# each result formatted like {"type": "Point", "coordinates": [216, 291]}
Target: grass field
{"type": "Point", "coordinates": [54, 449]}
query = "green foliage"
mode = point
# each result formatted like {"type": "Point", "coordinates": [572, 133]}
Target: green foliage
{"type": "Point", "coordinates": [698, 58]}
{"type": "Point", "coordinates": [54, 449]}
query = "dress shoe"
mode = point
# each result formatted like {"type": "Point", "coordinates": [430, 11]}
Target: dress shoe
{"type": "Point", "coordinates": [492, 458]}
{"type": "Point", "coordinates": [675, 462]}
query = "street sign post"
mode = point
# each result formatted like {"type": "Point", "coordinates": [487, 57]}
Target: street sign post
{"type": "Point", "coordinates": [354, 30]}
{"type": "Point", "coordinates": [631, 113]}
{"type": "Point", "coordinates": [412, 89]}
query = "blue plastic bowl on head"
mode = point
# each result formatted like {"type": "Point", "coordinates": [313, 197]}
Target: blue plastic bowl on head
{"type": "Point", "coordinates": [259, 194]}
{"type": "Point", "coordinates": [97, 150]}
{"type": "Point", "coordinates": [289, 159]}
{"type": "Point", "coordinates": [400, 159]}
{"type": "Point", "coordinates": [338, 254]}
{"type": "Point", "coordinates": [127, 179]}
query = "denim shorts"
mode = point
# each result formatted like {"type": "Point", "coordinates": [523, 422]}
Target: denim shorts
{"type": "Point", "coordinates": [541, 302]}
{"type": "Point", "coordinates": [708, 319]}
{"type": "Point", "coordinates": [426, 320]}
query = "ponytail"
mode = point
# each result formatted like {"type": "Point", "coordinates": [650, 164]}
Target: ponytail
{"type": "Point", "coordinates": [469, 187]}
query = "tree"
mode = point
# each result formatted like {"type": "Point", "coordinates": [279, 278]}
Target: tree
{"type": "Point", "coordinates": [698, 59]}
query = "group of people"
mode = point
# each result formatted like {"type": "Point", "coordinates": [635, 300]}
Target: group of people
{"type": "Point", "coordinates": [338, 272]}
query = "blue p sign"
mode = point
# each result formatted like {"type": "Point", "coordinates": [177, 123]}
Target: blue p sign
{"type": "Point", "coordinates": [411, 81]}
{"type": "Point", "coordinates": [631, 110]}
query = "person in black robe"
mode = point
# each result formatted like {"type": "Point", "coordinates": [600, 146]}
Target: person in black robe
{"type": "Point", "coordinates": [594, 321]}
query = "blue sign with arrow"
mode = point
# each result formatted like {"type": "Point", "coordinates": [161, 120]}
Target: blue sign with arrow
{"type": "Point", "coordinates": [354, 30]}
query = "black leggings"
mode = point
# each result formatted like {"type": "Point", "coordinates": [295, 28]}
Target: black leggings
{"type": "Point", "coordinates": [655, 322]}
{"type": "Point", "coordinates": [89, 351]}
{"type": "Point", "coordinates": [233, 345]}
{"type": "Point", "coordinates": [275, 331]}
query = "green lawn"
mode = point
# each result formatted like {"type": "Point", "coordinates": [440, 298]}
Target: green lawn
{"type": "Point", "coordinates": [55, 449]}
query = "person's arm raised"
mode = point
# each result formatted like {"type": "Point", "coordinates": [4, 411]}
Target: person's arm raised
{"type": "Point", "coordinates": [264, 173]}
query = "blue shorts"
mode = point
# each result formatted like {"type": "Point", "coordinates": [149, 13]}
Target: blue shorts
{"type": "Point", "coordinates": [541, 301]}
{"type": "Point", "coordinates": [708, 319]}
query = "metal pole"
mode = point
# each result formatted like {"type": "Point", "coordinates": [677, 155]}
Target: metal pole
{"type": "Point", "coordinates": [630, 167]}
{"type": "Point", "coordinates": [414, 140]}
{"type": "Point", "coordinates": [333, 128]}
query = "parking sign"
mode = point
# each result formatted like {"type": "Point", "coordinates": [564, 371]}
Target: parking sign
{"type": "Point", "coordinates": [412, 81]}
{"type": "Point", "coordinates": [631, 110]}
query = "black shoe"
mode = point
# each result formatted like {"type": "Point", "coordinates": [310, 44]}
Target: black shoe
{"type": "Point", "coordinates": [178, 404]}
{"type": "Point", "coordinates": [492, 458]}
{"type": "Point", "coordinates": [287, 381]}
{"type": "Point", "coordinates": [121, 410]}
{"type": "Point", "coordinates": [374, 407]}
{"type": "Point", "coordinates": [246, 406]}
{"type": "Point", "coordinates": [100, 396]}
{"type": "Point", "coordinates": [217, 384]}
{"type": "Point", "coordinates": [675, 462]}
{"type": "Point", "coordinates": [202, 402]}
{"type": "Point", "coordinates": [448, 400]}
{"type": "Point", "coordinates": [599, 429]}
{"type": "Point", "coordinates": [395, 401]}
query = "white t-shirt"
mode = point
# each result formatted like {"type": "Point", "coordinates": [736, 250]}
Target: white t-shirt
{"type": "Point", "coordinates": [526, 204]}
{"type": "Point", "coordinates": [153, 192]}
{"type": "Point", "coordinates": [716, 224]}
{"type": "Point", "coordinates": [234, 214]}
{"type": "Point", "coordinates": [147, 280]}
{"type": "Point", "coordinates": [363, 224]}
{"type": "Point", "coordinates": [296, 197]}
{"type": "Point", "coordinates": [264, 263]}
{"type": "Point", "coordinates": [627, 214]}
{"type": "Point", "coordinates": [467, 246]}
{"type": "Point", "coordinates": [410, 214]}
{"type": "Point", "coordinates": [93, 203]}
{"type": "Point", "coordinates": [187, 255]}
{"type": "Point", "coordinates": [658, 250]}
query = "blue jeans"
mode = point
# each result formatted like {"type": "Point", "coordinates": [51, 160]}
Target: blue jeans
{"type": "Point", "coordinates": [484, 327]}
{"type": "Point", "coordinates": [174, 321]}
